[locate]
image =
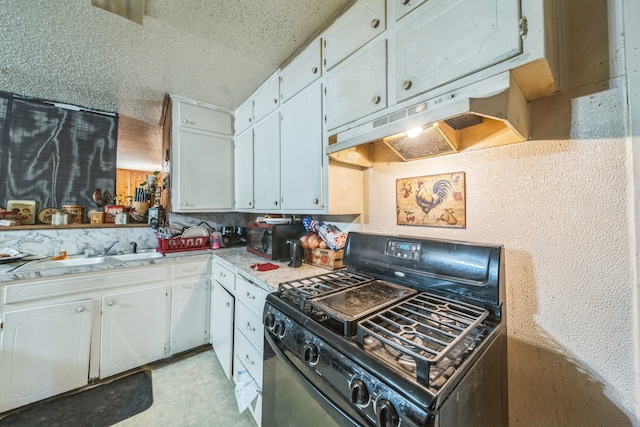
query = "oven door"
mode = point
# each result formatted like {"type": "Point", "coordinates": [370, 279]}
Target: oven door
{"type": "Point", "coordinates": [290, 399]}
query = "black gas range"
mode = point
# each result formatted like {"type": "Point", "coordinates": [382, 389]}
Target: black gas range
{"type": "Point", "coordinates": [412, 333]}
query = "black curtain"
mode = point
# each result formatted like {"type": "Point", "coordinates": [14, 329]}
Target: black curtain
{"type": "Point", "coordinates": [54, 155]}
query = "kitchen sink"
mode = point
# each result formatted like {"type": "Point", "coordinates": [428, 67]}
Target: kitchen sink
{"type": "Point", "coordinates": [70, 262]}
{"type": "Point", "coordinates": [140, 256]}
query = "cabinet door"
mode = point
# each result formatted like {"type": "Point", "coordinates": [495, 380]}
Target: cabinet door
{"type": "Point", "coordinates": [244, 116]}
{"type": "Point", "coordinates": [267, 100]}
{"type": "Point", "coordinates": [302, 71]}
{"type": "Point", "coordinates": [133, 329]}
{"type": "Point", "coordinates": [361, 23]}
{"type": "Point", "coordinates": [189, 299]}
{"type": "Point", "coordinates": [202, 118]}
{"type": "Point", "coordinates": [204, 172]}
{"type": "Point", "coordinates": [222, 315]}
{"type": "Point", "coordinates": [358, 88]}
{"type": "Point", "coordinates": [266, 164]}
{"type": "Point", "coordinates": [302, 150]}
{"type": "Point", "coordinates": [44, 351]}
{"type": "Point", "coordinates": [478, 34]}
{"type": "Point", "coordinates": [244, 170]}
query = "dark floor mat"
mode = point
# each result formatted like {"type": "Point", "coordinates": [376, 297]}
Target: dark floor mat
{"type": "Point", "coordinates": [103, 405]}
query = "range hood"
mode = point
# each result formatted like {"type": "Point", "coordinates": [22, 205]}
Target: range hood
{"type": "Point", "coordinates": [129, 9]}
{"type": "Point", "coordinates": [487, 113]}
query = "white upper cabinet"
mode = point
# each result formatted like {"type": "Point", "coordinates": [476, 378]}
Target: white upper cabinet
{"type": "Point", "coordinates": [244, 116]}
{"type": "Point", "coordinates": [361, 23]}
{"type": "Point", "coordinates": [446, 40]}
{"type": "Point", "coordinates": [203, 172]}
{"type": "Point", "coordinates": [301, 72]}
{"type": "Point", "coordinates": [301, 146]}
{"type": "Point", "coordinates": [358, 87]}
{"type": "Point", "coordinates": [402, 7]}
{"type": "Point", "coordinates": [205, 119]}
{"type": "Point", "coordinates": [267, 99]}
{"type": "Point", "coordinates": [244, 170]}
{"type": "Point", "coordinates": [266, 163]}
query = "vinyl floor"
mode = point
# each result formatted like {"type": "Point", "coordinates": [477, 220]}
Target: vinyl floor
{"type": "Point", "coordinates": [191, 392]}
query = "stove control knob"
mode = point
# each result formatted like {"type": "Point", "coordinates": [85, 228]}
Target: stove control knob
{"type": "Point", "coordinates": [387, 414]}
{"type": "Point", "coordinates": [278, 328]}
{"type": "Point", "coordinates": [359, 393]}
{"type": "Point", "coordinates": [311, 354]}
{"type": "Point", "coordinates": [269, 320]}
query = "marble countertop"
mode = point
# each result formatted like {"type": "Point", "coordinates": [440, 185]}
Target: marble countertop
{"type": "Point", "coordinates": [239, 259]}
{"type": "Point", "coordinates": [235, 258]}
{"type": "Point", "coordinates": [7, 275]}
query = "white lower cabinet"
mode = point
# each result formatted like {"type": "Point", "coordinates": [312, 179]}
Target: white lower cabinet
{"type": "Point", "coordinates": [222, 327]}
{"type": "Point", "coordinates": [44, 351]}
{"type": "Point", "coordinates": [133, 329]}
{"type": "Point", "coordinates": [190, 306]}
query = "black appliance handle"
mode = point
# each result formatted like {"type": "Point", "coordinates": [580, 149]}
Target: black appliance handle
{"type": "Point", "coordinates": [317, 395]}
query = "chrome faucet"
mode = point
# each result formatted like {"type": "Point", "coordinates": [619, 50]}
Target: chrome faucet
{"type": "Point", "coordinates": [108, 248]}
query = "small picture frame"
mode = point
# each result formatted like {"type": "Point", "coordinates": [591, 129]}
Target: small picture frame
{"type": "Point", "coordinates": [28, 210]}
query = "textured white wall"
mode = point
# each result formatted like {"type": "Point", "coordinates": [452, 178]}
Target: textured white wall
{"type": "Point", "coordinates": [559, 204]}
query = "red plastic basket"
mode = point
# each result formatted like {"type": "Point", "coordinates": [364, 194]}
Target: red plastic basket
{"type": "Point", "coordinates": [181, 244]}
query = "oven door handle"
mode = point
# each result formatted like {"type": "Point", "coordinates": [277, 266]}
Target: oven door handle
{"type": "Point", "coordinates": [319, 396]}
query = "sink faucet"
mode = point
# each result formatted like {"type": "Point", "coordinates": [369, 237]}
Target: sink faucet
{"type": "Point", "coordinates": [108, 248]}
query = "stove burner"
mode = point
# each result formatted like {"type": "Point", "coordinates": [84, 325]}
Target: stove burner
{"type": "Point", "coordinates": [299, 292]}
{"type": "Point", "coordinates": [425, 335]}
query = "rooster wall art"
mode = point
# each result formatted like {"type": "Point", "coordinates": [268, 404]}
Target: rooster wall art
{"type": "Point", "coordinates": [436, 200]}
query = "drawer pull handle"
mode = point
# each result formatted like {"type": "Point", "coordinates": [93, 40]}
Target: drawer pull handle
{"type": "Point", "coordinates": [376, 99]}
{"type": "Point", "coordinates": [110, 303]}
{"type": "Point", "coordinates": [222, 275]}
{"type": "Point", "coordinates": [228, 304]}
{"type": "Point", "coordinates": [249, 296]}
{"type": "Point", "coordinates": [250, 328]}
{"type": "Point", "coordinates": [189, 122]}
{"type": "Point", "coordinates": [246, 359]}
{"type": "Point", "coordinates": [405, 2]}
{"type": "Point", "coordinates": [406, 85]}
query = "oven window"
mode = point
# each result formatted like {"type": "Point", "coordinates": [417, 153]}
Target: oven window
{"type": "Point", "coordinates": [287, 403]}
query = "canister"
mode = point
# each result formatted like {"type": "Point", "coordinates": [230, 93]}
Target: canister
{"type": "Point", "coordinates": [75, 213]}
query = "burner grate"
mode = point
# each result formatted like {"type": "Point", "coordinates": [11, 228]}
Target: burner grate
{"type": "Point", "coordinates": [421, 331]}
{"type": "Point", "coordinates": [299, 292]}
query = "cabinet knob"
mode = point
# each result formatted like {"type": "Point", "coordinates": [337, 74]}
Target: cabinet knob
{"type": "Point", "coordinates": [275, 100]}
{"type": "Point", "coordinates": [249, 296]}
{"type": "Point", "coordinates": [250, 203]}
{"type": "Point", "coordinates": [375, 23]}
{"type": "Point", "coordinates": [314, 70]}
{"type": "Point", "coordinates": [376, 99]}
{"type": "Point", "coordinates": [405, 2]}
{"type": "Point", "coordinates": [249, 361]}
{"type": "Point", "coordinates": [250, 328]}
{"type": "Point", "coordinates": [110, 303]}
{"type": "Point", "coordinates": [228, 304]}
{"type": "Point", "coordinates": [188, 122]}
{"type": "Point", "coordinates": [275, 203]}
{"type": "Point", "coordinates": [406, 85]}
{"type": "Point", "coordinates": [315, 201]}
{"type": "Point", "coordinates": [79, 309]}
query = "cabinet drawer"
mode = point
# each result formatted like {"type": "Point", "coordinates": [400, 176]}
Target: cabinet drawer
{"type": "Point", "coordinates": [249, 357]}
{"type": "Point", "coordinates": [250, 295]}
{"type": "Point", "coordinates": [267, 100]}
{"type": "Point", "coordinates": [360, 24]}
{"type": "Point", "coordinates": [303, 71]}
{"type": "Point", "coordinates": [190, 269]}
{"type": "Point", "coordinates": [250, 324]}
{"type": "Point", "coordinates": [201, 118]}
{"type": "Point", "coordinates": [225, 277]}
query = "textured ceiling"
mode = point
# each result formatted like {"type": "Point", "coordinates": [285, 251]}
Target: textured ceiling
{"type": "Point", "coordinates": [210, 50]}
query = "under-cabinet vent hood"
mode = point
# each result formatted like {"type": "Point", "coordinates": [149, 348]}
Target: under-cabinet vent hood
{"type": "Point", "coordinates": [484, 114]}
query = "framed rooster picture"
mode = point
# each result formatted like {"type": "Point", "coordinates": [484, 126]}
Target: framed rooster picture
{"type": "Point", "coordinates": [433, 200]}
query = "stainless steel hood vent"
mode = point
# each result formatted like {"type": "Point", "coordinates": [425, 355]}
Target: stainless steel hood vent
{"type": "Point", "coordinates": [484, 114]}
